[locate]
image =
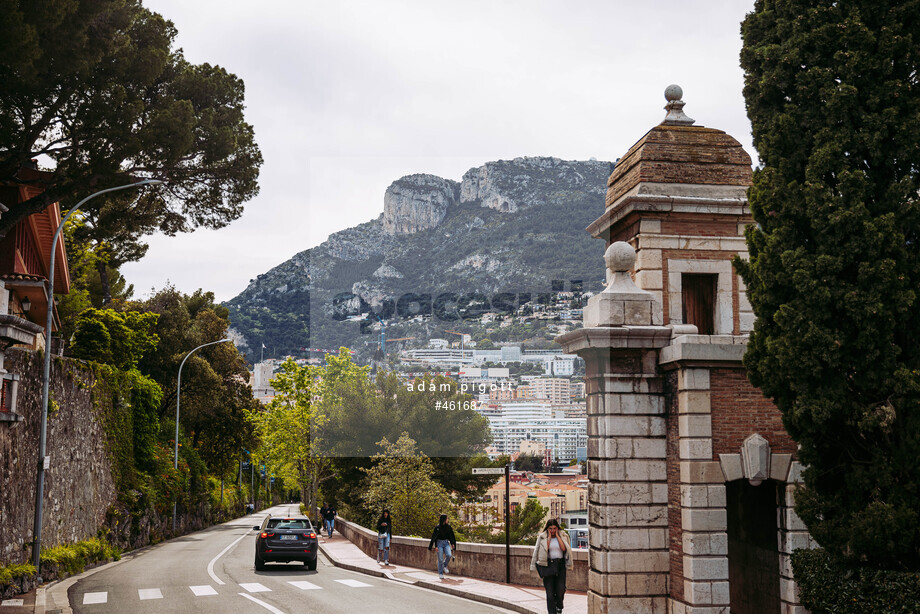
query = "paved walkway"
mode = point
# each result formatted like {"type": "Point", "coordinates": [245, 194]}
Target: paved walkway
{"type": "Point", "coordinates": [524, 599]}
{"type": "Point", "coordinates": [20, 604]}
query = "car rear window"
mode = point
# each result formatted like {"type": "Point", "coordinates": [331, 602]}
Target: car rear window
{"type": "Point", "coordinates": [293, 524]}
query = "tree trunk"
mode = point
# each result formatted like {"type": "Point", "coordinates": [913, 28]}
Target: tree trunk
{"type": "Point", "coordinates": [104, 281]}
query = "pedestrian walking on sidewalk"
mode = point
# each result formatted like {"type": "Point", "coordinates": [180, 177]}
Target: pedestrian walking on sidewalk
{"type": "Point", "coordinates": [443, 538]}
{"type": "Point", "coordinates": [552, 555]}
{"type": "Point", "coordinates": [384, 534]}
{"type": "Point", "coordinates": [328, 514]}
{"type": "Point", "coordinates": [322, 517]}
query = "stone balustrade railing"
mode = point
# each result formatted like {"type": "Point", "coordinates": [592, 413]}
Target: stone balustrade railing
{"type": "Point", "coordinates": [483, 561]}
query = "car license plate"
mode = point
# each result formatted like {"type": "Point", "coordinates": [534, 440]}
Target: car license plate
{"type": "Point", "coordinates": [287, 537]}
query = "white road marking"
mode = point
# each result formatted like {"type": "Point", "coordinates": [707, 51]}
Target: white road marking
{"type": "Point", "coordinates": [90, 598]}
{"type": "Point", "coordinates": [222, 553]}
{"type": "Point", "coordinates": [255, 587]}
{"type": "Point", "coordinates": [203, 589]}
{"type": "Point", "coordinates": [268, 607]}
{"type": "Point", "coordinates": [11, 603]}
{"type": "Point", "coordinates": [353, 583]}
{"type": "Point", "coordinates": [149, 593]}
{"type": "Point", "coordinates": [306, 586]}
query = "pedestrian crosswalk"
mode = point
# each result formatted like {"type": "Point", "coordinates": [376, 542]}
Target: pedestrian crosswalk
{"type": "Point", "coordinates": [205, 590]}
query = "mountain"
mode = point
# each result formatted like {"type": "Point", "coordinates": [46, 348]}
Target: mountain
{"type": "Point", "coordinates": [448, 249]}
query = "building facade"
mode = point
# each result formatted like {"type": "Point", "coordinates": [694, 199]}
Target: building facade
{"type": "Point", "coordinates": [691, 473]}
{"type": "Point", "coordinates": [556, 389]}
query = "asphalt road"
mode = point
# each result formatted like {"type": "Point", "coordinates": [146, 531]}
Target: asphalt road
{"type": "Point", "coordinates": [212, 572]}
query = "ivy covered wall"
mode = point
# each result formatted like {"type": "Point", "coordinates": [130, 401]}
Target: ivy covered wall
{"type": "Point", "coordinates": [79, 486]}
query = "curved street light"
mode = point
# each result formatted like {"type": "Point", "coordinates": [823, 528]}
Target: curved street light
{"type": "Point", "coordinates": [42, 441]}
{"type": "Point", "coordinates": [178, 392]}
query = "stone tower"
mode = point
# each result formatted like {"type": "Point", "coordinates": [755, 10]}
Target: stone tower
{"type": "Point", "coordinates": [691, 470]}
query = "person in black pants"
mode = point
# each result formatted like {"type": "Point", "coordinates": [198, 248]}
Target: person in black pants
{"type": "Point", "coordinates": [553, 555]}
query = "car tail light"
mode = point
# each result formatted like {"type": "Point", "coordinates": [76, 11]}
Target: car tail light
{"type": "Point", "coordinates": [266, 534]}
{"type": "Point", "coordinates": [311, 535]}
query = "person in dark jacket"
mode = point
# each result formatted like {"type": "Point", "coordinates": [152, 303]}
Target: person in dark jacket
{"type": "Point", "coordinates": [322, 516]}
{"type": "Point", "coordinates": [329, 518]}
{"type": "Point", "coordinates": [384, 534]}
{"type": "Point", "coordinates": [443, 538]}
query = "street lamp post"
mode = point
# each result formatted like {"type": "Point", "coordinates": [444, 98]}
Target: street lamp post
{"type": "Point", "coordinates": [43, 461]}
{"type": "Point", "coordinates": [178, 393]}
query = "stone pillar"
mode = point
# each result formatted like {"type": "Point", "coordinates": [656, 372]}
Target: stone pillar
{"type": "Point", "coordinates": [793, 534]}
{"type": "Point", "coordinates": [627, 509]}
{"type": "Point", "coordinates": [703, 517]}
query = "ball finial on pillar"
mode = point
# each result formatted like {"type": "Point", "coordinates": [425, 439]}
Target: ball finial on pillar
{"type": "Point", "coordinates": [675, 107]}
{"type": "Point", "coordinates": [673, 92]}
{"type": "Point", "coordinates": [620, 257]}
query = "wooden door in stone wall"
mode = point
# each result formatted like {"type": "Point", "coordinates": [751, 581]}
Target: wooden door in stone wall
{"type": "Point", "coordinates": [753, 554]}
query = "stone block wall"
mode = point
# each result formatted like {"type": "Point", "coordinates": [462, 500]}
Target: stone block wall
{"type": "Point", "coordinates": [628, 511]}
{"type": "Point", "coordinates": [78, 485]}
{"type": "Point", "coordinates": [712, 411]}
{"type": "Point", "coordinates": [483, 561]}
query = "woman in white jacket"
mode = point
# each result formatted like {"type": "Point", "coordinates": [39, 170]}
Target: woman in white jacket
{"type": "Point", "coordinates": [553, 551]}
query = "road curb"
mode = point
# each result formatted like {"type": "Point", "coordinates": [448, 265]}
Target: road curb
{"type": "Point", "coordinates": [441, 588]}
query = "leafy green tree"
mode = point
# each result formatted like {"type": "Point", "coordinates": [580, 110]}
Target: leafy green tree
{"type": "Point", "coordinates": [526, 523]}
{"type": "Point", "coordinates": [145, 425]}
{"type": "Point", "coordinates": [121, 339]}
{"type": "Point", "coordinates": [85, 283]}
{"type": "Point", "coordinates": [529, 462]}
{"type": "Point", "coordinates": [400, 480]}
{"type": "Point", "coordinates": [832, 93]}
{"type": "Point", "coordinates": [215, 391]}
{"type": "Point", "coordinates": [361, 411]}
{"type": "Point", "coordinates": [98, 87]}
{"type": "Point", "coordinates": [288, 426]}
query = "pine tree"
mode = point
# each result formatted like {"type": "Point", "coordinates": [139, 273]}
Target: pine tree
{"type": "Point", "coordinates": [832, 92]}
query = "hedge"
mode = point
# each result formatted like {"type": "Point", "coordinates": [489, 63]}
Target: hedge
{"type": "Point", "coordinates": [829, 587]}
{"type": "Point", "coordinates": [73, 558]}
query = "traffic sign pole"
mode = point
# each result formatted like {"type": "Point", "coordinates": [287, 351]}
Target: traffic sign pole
{"type": "Point", "coordinates": [508, 523]}
{"type": "Point", "coordinates": [506, 470]}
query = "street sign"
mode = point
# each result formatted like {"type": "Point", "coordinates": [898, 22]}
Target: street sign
{"type": "Point", "coordinates": [488, 471]}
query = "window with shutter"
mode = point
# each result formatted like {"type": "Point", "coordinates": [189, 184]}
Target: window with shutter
{"type": "Point", "coordinates": [698, 293]}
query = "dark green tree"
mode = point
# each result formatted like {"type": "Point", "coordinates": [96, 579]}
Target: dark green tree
{"type": "Point", "coordinates": [98, 87]}
{"type": "Point", "coordinates": [529, 462]}
{"type": "Point", "coordinates": [526, 523]}
{"type": "Point", "coordinates": [833, 97]}
{"type": "Point", "coordinates": [215, 381]}
{"type": "Point", "coordinates": [120, 339]}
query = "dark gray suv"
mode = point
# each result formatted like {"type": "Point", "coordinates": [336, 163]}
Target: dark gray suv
{"type": "Point", "coordinates": [286, 539]}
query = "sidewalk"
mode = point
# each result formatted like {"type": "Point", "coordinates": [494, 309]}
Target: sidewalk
{"type": "Point", "coordinates": [20, 604]}
{"type": "Point", "coordinates": [525, 599]}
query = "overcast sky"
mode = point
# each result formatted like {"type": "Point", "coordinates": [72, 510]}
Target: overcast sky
{"type": "Point", "coordinates": [348, 96]}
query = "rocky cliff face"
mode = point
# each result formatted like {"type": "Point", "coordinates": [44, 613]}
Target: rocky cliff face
{"type": "Point", "coordinates": [525, 182]}
{"type": "Point", "coordinates": [508, 226]}
{"type": "Point", "coordinates": [417, 202]}
{"type": "Point", "coordinates": [420, 202]}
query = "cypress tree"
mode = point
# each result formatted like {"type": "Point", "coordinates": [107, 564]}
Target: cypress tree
{"type": "Point", "coordinates": [833, 95]}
